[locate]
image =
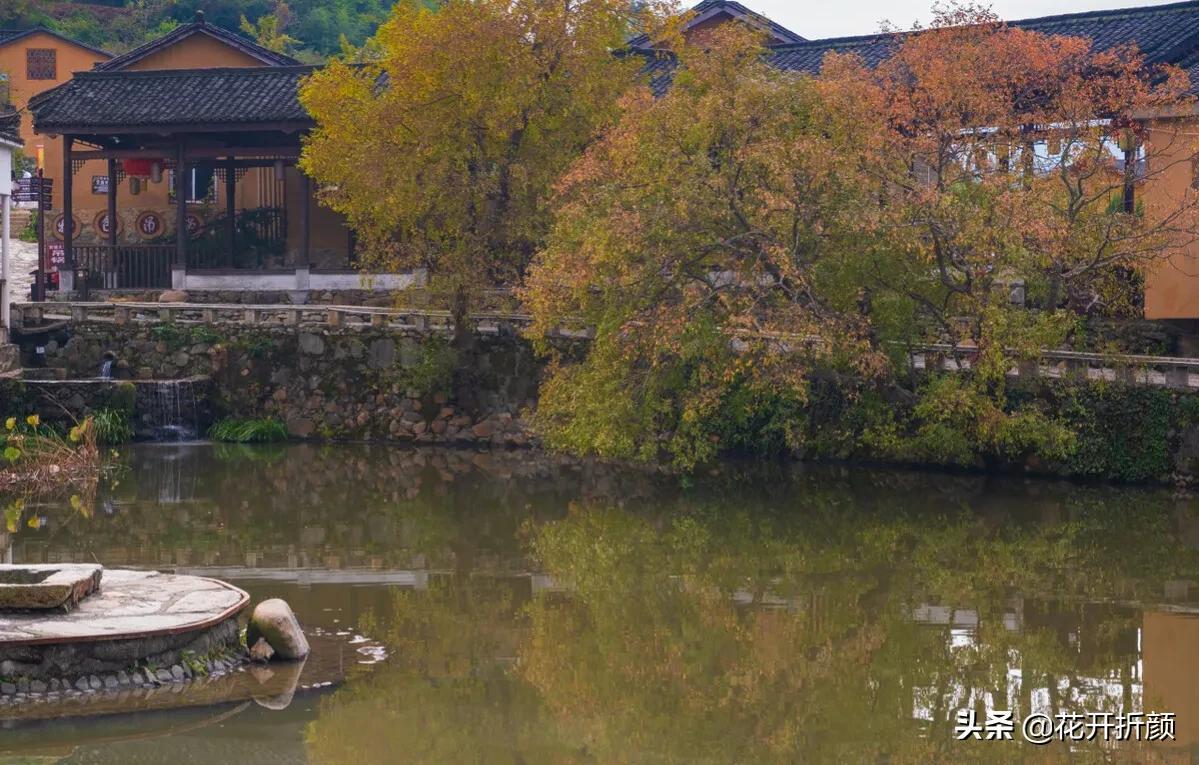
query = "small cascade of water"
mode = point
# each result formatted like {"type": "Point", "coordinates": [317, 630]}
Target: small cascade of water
{"type": "Point", "coordinates": [173, 413]}
{"type": "Point", "coordinates": [106, 369]}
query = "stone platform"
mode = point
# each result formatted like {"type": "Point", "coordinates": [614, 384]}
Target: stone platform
{"type": "Point", "coordinates": [47, 587]}
{"type": "Point", "coordinates": [137, 620]}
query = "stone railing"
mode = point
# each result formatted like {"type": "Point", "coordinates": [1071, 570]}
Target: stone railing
{"type": "Point", "coordinates": [1166, 371]}
{"type": "Point", "coordinates": [28, 317]}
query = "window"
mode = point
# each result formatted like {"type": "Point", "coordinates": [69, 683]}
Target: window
{"type": "Point", "coordinates": [41, 63]}
{"type": "Point", "coordinates": [199, 184]}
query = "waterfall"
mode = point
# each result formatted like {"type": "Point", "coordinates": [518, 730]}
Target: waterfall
{"type": "Point", "coordinates": [173, 413]}
{"type": "Point", "coordinates": [106, 369]}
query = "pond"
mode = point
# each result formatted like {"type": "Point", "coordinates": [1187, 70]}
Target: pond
{"type": "Point", "coordinates": [515, 607]}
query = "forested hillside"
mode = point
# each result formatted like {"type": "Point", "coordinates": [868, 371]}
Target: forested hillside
{"type": "Point", "coordinates": [307, 29]}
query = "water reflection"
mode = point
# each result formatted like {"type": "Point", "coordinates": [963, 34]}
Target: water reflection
{"type": "Point", "coordinates": [542, 610]}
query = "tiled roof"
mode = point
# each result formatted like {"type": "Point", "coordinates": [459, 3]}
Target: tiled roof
{"type": "Point", "coordinates": [198, 27]}
{"type": "Point", "coordinates": [708, 9]}
{"type": "Point", "coordinates": [1165, 34]}
{"type": "Point", "coordinates": [173, 97]}
{"type": "Point", "coordinates": [10, 125]}
{"type": "Point", "coordinates": [13, 35]}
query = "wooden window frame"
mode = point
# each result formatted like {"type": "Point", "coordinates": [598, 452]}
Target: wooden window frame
{"type": "Point", "coordinates": [44, 69]}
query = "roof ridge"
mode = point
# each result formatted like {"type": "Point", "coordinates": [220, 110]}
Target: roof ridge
{"type": "Point", "coordinates": [1132, 10]}
{"type": "Point", "coordinates": [1136, 10]}
{"type": "Point", "coordinates": [97, 74]}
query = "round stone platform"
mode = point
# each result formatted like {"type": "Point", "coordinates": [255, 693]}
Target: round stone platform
{"type": "Point", "coordinates": [137, 619]}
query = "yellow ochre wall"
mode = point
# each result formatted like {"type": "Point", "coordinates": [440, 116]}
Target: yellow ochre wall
{"type": "Point", "coordinates": [1172, 285]}
{"type": "Point", "coordinates": [71, 58]}
{"type": "Point", "coordinates": [199, 51]}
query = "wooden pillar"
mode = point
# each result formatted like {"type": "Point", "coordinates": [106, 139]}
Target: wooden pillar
{"type": "Point", "coordinates": [305, 219]}
{"type": "Point", "coordinates": [181, 182]}
{"type": "Point", "coordinates": [230, 205]}
{"type": "Point", "coordinates": [112, 208]}
{"type": "Point", "coordinates": [68, 203]}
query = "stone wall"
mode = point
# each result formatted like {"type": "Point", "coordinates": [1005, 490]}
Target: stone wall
{"type": "Point", "coordinates": [343, 383]}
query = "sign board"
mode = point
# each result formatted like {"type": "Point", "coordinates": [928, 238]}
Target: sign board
{"type": "Point", "coordinates": [100, 184]}
{"type": "Point", "coordinates": [55, 256]}
{"type": "Point", "coordinates": [28, 189]}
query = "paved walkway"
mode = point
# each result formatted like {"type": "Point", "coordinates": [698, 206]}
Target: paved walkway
{"type": "Point", "coordinates": [22, 260]}
{"type": "Point", "coordinates": [130, 604]}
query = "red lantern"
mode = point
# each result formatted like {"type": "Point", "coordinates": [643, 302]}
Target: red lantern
{"type": "Point", "coordinates": [138, 168]}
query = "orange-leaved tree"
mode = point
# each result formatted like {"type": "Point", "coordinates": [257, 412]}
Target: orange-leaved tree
{"type": "Point", "coordinates": [755, 230]}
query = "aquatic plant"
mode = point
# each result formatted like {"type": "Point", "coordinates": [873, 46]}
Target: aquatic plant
{"type": "Point", "coordinates": [243, 431]}
{"type": "Point", "coordinates": [35, 457]}
{"type": "Point", "coordinates": [112, 426]}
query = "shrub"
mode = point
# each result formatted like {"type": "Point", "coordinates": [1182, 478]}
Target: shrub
{"type": "Point", "coordinates": [244, 431]}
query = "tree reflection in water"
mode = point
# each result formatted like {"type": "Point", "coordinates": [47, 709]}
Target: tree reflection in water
{"type": "Point", "coordinates": [801, 616]}
{"type": "Point", "coordinates": [544, 610]}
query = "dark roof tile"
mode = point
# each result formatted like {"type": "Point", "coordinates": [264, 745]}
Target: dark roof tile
{"type": "Point", "coordinates": [170, 97]}
{"type": "Point", "coordinates": [1165, 34]}
{"type": "Point", "coordinates": [10, 125]}
{"type": "Point", "coordinates": [709, 8]}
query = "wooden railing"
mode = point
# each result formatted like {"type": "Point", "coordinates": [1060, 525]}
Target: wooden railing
{"type": "Point", "coordinates": [139, 266]}
{"type": "Point", "coordinates": [1167, 371]}
{"type": "Point", "coordinates": [259, 241]}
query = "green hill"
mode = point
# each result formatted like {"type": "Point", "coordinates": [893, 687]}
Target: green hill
{"type": "Point", "coordinates": [313, 28]}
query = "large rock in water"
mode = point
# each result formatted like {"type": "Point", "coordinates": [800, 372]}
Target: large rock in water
{"type": "Point", "coordinates": [274, 621]}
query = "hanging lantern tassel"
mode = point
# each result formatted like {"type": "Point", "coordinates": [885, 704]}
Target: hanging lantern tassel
{"type": "Point", "coordinates": [156, 172]}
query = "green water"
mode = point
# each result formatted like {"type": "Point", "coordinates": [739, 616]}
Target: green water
{"type": "Point", "coordinates": [537, 610]}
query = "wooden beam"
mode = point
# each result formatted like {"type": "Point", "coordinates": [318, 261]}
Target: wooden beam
{"type": "Point", "coordinates": [241, 153]}
{"type": "Point", "coordinates": [305, 219]}
{"type": "Point", "coordinates": [112, 208]}
{"type": "Point", "coordinates": [230, 204]}
{"type": "Point", "coordinates": [180, 129]}
{"type": "Point", "coordinates": [68, 204]}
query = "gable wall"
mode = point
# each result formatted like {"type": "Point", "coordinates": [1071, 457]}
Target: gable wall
{"type": "Point", "coordinates": [199, 51]}
{"type": "Point", "coordinates": [70, 58]}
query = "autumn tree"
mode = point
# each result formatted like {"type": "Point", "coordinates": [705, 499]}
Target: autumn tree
{"type": "Point", "coordinates": [754, 230]}
{"type": "Point", "coordinates": [441, 152]}
{"type": "Point", "coordinates": [685, 238]}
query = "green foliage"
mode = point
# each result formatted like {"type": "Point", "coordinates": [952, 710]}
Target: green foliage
{"type": "Point", "coordinates": [433, 371]}
{"type": "Point", "coordinates": [176, 336]}
{"type": "Point", "coordinates": [243, 431]}
{"type": "Point", "coordinates": [1123, 431]}
{"type": "Point", "coordinates": [256, 345]}
{"type": "Point", "coordinates": [29, 233]}
{"type": "Point", "coordinates": [307, 29]}
{"type": "Point", "coordinates": [112, 426]}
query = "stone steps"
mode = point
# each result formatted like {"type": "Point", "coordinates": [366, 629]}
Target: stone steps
{"type": "Point", "coordinates": [19, 218]}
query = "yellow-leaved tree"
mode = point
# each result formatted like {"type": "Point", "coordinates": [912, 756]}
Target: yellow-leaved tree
{"type": "Point", "coordinates": [442, 150]}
